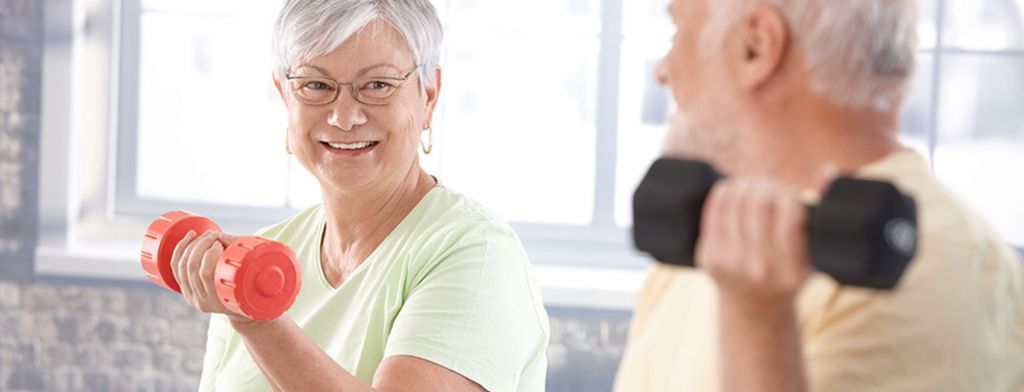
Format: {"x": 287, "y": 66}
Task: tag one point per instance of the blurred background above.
{"x": 114, "y": 111}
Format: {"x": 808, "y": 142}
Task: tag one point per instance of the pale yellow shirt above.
{"x": 451, "y": 284}
{"x": 954, "y": 323}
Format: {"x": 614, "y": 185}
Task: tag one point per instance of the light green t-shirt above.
{"x": 451, "y": 284}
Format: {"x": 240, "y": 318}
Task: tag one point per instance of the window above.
{"x": 526, "y": 124}
{"x": 964, "y": 111}
{"x": 977, "y": 127}
{"x": 551, "y": 123}
{"x": 549, "y": 114}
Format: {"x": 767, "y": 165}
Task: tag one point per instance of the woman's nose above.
{"x": 346, "y": 113}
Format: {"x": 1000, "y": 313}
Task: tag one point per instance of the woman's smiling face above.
{"x": 347, "y": 144}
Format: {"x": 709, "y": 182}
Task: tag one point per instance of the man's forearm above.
{"x": 760, "y": 351}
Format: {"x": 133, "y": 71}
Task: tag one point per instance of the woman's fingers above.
{"x": 194, "y": 265}
{"x": 179, "y": 249}
{"x": 207, "y": 271}
{"x": 189, "y": 269}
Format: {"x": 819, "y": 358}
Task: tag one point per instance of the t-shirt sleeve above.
{"x": 475, "y": 310}
{"x": 216, "y": 339}
{"x": 865, "y": 343}
{"x": 934, "y": 332}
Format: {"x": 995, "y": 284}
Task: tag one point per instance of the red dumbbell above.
{"x": 255, "y": 276}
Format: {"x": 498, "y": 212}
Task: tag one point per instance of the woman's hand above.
{"x": 194, "y": 264}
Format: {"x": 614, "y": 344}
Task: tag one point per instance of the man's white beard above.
{"x": 703, "y": 142}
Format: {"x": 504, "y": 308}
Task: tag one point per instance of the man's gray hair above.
{"x": 858, "y": 52}
{"x": 307, "y": 29}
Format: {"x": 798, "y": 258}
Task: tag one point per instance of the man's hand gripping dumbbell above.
{"x": 861, "y": 232}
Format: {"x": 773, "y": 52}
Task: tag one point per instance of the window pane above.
{"x": 648, "y": 18}
{"x": 221, "y": 7}
{"x": 926, "y": 30}
{"x": 533, "y": 17}
{"x": 915, "y": 123}
{"x": 984, "y": 24}
{"x": 211, "y": 125}
{"x": 518, "y": 129}
{"x": 644, "y": 106}
{"x": 980, "y": 149}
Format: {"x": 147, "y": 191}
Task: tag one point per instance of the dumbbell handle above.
{"x": 254, "y": 276}
{"x": 669, "y": 201}
{"x": 160, "y": 240}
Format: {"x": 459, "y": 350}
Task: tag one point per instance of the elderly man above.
{"x": 781, "y": 95}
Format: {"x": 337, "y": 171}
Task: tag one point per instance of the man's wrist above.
{"x": 756, "y": 310}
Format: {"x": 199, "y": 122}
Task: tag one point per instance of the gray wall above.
{"x": 78, "y": 335}
{"x": 60, "y": 336}
{"x": 21, "y": 43}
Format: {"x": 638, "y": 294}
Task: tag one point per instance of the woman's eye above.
{"x": 317, "y": 85}
{"x": 377, "y": 85}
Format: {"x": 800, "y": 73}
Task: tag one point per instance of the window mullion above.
{"x": 933, "y": 123}
{"x": 607, "y": 114}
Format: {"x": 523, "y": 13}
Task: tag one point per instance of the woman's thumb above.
{"x": 226, "y": 239}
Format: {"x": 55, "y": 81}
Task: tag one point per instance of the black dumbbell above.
{"x": 862, "y": 232}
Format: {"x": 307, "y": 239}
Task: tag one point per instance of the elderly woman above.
{"x": 407, "y": 285}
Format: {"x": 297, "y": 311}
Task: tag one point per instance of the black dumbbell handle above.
{"x": 670, "y": 200}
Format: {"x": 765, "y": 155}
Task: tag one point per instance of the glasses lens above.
{"x": 376, "y": 90}
{"x": 314, "y": 91}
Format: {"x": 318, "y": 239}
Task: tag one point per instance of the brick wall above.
{"x": 68, "y": 337}
{"x": 73, "y": 335}
{"x": 21, "y": 34}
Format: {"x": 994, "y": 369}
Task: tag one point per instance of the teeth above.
{"x": 352, "y": 146}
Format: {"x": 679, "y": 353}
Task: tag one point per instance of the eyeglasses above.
{"x": 367, "y": 89}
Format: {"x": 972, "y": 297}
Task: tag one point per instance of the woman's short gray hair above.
{"x": 307, "y": 29}
{"x": 859, "y": 52}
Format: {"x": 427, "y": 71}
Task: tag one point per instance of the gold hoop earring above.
{"x": 287, "y": 146}
{"x": 427, "y": 148}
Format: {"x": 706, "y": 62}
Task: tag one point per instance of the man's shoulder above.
{"x": 943, "y": 217}
{"x": 962, "y": 267}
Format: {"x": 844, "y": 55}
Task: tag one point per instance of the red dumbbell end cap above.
{"x": 258, "y": 277}
{"x": 162, "y": 236}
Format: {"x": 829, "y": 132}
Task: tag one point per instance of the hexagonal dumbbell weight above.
{"x": 255, "y": 276}
{"x": 862, "y": 232}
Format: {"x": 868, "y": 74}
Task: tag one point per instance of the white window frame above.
{"x": 93, "y": 232}
{"x": 601, "y": 243}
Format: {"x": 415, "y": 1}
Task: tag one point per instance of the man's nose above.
{"x": 661, "y": 73}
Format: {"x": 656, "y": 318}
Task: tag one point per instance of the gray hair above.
{"x": 307, "y": 29}
{"x": 858, "y": 52}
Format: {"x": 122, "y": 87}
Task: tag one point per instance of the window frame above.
{"x": 76, "y": 223}
{"x": 550, "y": 243}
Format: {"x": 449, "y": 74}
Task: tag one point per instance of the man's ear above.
{"x": 762, "y": 46}
{"x": 433, "y": 91}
